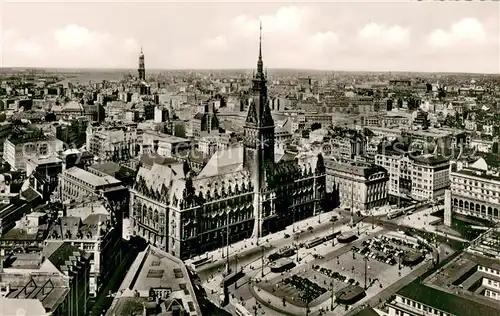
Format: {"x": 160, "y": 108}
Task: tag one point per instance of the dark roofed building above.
{"x": 94, "y": 234}
{"x": 117, "y": 171}
{"x": 57, "y": 277}
{"x": 419, "y": 299}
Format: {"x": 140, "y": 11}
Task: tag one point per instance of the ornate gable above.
{"x": 252, "y": 114}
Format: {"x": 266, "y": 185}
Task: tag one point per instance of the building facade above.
{"x": 94, "y": 235}
{"x": 416, "y": 176}
{"x": 361, "y": 186}
{"x": 242, "y": 192}
{"x": 79, "y": 185}
{"x": 114, "y": 143}
{"x": 473, "y": 192}
{"x": 28, "y": 144}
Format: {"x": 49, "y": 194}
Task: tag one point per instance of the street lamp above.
{"x": 333, "y": 233}
{"x": 262, "y": 260}
{"x": 235, "y": 270}
{"x": 373, "y": 220}
{"x": 333, "y": 294}
{"x": 365, "y": 259}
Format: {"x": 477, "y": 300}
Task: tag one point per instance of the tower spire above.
{"x": 260, "y": 63}
{"x": 260, "y": 41}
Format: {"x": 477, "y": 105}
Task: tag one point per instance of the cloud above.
{"x": 69, "y": 46}
{"x": 324, "y": 41}
{"x": 73, "y": 36}
{"x": 466, "y": 31}
{"x": 383, "y": 38}
{"x": 285, "y": 20}
{"x": 218, "y": 43}
{"x": 287, "y": 35}
{"x": 29, "y": 47}
{"x": 342, "y": 35}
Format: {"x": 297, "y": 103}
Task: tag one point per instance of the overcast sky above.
{"x": 335, "y": 35}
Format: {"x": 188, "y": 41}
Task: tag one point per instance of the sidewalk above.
{"x": 251, "y": 243}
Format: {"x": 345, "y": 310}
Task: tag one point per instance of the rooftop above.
{"x": 153, "y": 158}
{"x": 447, "y": 302}
{"x": 430, "y": 159}
{"x": 90, "y": 178}
{"x": 478, "y": 173}
{"x": 45, "y": 160}
{"x": 357, "y": 168}
{"x": 165, "y": 137}
{"x": 29, "y": 307}
{"x": 156, "y": 269}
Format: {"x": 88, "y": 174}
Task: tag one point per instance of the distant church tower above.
{"x": 142, "y": 69}
{"x": 258, "y": 143}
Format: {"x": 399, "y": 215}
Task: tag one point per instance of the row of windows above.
{"x": 486, "y": 269}
{"x": 492, "y": 294}
{"x": 419, "y": 306}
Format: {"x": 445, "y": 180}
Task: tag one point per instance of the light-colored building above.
{"x": 473, "y": 192}
{"x": 361, "y": 186}
{"x": 161, "y": 114}
{"x": 318, "y": 135}
{"x": 420, "y": 177}
{"x": 208, "y": 144}
{"x": 77, "y": 184}
{"x": 157, "y": 281}
{"x": 114, "y": 143}
{"x": 20, "y": 147}
{"x": 163, "y": 144}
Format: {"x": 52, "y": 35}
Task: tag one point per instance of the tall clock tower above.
{"x": 258, "y": 150}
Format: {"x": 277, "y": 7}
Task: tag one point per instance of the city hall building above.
{"x": 243, "y": 192}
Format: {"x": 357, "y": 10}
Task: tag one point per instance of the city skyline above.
{"x": 369, "y": 35}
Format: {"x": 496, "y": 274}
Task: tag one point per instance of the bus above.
{"x": 315, "y": 242}
{"x": 394, "y": 214}
{"x": 241, "y": 310}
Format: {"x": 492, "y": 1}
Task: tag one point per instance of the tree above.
{"x": 315, "y": 126}
{"x": 441, "y": 94}
{"x": 50, "y": 117}
{"x": 494, "y": 148}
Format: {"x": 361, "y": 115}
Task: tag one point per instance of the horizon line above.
{"x": 242, "y": 69}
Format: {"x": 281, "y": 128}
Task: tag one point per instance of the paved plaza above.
{"x": 349, "y": 268}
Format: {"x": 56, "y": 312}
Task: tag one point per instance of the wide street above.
{"x": 252, "y": 254}
{"x": 247, "y": 256}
